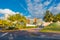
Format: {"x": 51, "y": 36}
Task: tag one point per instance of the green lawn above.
{"x": 54, "y": 27}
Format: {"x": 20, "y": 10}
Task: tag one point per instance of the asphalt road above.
{"x": 24, "y": 35}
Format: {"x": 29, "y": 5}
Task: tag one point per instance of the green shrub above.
{"x": 53, "y": 27}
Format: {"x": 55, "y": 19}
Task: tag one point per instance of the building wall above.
{"x": 35, "y": 20}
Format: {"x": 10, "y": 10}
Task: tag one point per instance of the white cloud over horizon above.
{"x": 6, "y": 12}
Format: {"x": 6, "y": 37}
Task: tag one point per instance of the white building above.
{"x": 38, "y": 22}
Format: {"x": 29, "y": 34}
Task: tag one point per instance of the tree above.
{"x": 48, "y": 16}
{"x": 58, "y": 17}
{"x": 19, "y": 18}
{"x": 14, "y": 17}
{"x": 5, "y": 24}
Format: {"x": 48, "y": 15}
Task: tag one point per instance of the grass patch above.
{"x": 51, "y": 28}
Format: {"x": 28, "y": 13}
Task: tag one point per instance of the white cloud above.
{"x": 6, "y": 12}
{"x": 54, "y": 9}
{"x": 58, "y": 6}
{"x": 46, "y": 3}
{"x": 35, "y": 9}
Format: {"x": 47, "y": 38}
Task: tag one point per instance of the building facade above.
{"x": 34, "y": 21}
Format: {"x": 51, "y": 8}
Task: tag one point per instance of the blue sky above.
{"x": 29, "y": 8}
{"x": 13, "y": 5}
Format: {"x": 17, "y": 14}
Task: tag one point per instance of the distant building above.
{"x": 39, "y": 21}
{"x": 28, "y": 21}
{"x": 34, "y": 21}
